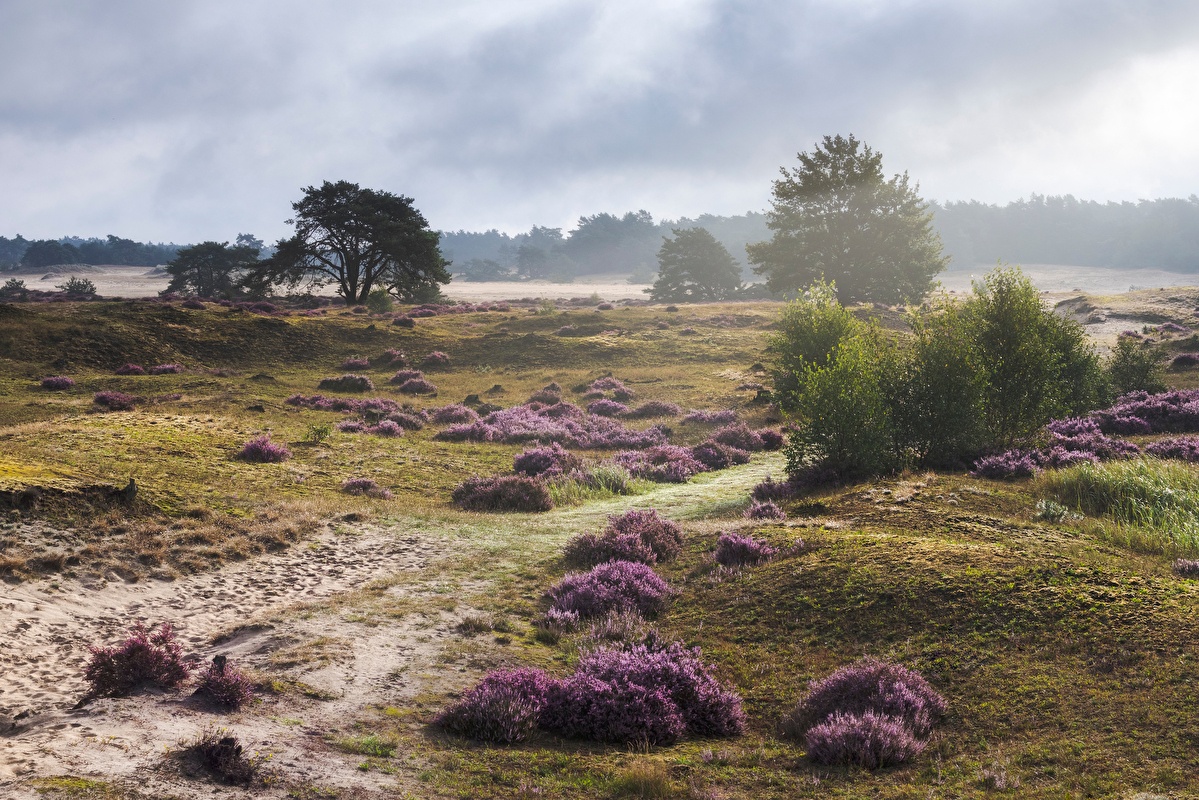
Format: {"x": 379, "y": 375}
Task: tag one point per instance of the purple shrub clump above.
{"x": 166, "y": 369}
{"x": 193, "y": 304}
{"x": 735, "y": 550}
{"x": 739, "y": 436}
{"x": 608, "y": 384}
{"x": 130, "y": 369}
{"x": 404, "y": 321}
{"x": 347, "y": 383}
{"x": 764, "y": 510}
{"x": 560, "y": 410}
{"x": 407, "y": 419}
{"x": 705, "y": 417}
{"x": 663, "y": 536}
{"x": 1011, "y": 464}
{"x": 869, "y": 740}
{"x": 773, "y": 491}
{"x": 1182, "y": 448}
{"x": 405, "y": 375}
{"x": 454, "y": 414}
{"x": 654, "y": 408}
{"x": 58, "y": 383}
{"x": 435, "y": 359}
{"x": 1186, "y": 568}
{"x": 1140, "y": 412}
{"x": 504, "y": 707}
{"x": 548, "y": 461}
{"x": 261, "y": 450}
{"x": 356, "y": 363}
{"x": 615, "y": 586}
{"x": 545, "y": 397}
{"x": 225, "y": 684}
{"x": 386, "y": 428}
{"x": 388, "y": 359}
{"x": 1059, "y": 457}
{"x": 771, "y": 439}
{"x": 365, "y": 487}
{"x": 715, "y": 456}
{"x": 1172, "y": 327}
{"x": 607, "y": 408}
{"x": 144, "y": 658}
{"x": 417, "y": 386}
{"x": 524, "y": 424}
{"x": 640, "y": 536}
{"x": 350, "y": 426}
{"x": 585, "y": 707}
{"x": 503, "y": 493}
{"x": 666, "y": 463}
{"x": 872, "y": 685}
{"x": 115, "y": 401}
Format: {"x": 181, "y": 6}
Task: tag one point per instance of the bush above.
{"x": 503, "y": 493}
{"x": 356, "y": 363}
{"x": 614, "y": 586}
{"x": 225, "y": 685}
{"x": 504, "y": 707}
{"x": 1186, "y": 568}
{"x": 869, "y": 740}
{"x": 608, "y": 384}
{"x": 1135, "y": 366}
{"x": 405, "y": 375}
{"x": 740, "y": 437}
{"x": 810, "y": 330}
{"x": 665, "y": 463}
{"x": 417, "y": 386}
{"x": 607, "y": 408}
{"x": 130, "y": 369}
{"x": 193, "y": 304}
{"x": 1005, "y": 466}
{"x": 78, "y": 286}
{"x": 261, "y": 450}
{"x": 365, "y": 487}
{"x": 717, "y": 456}
{"x": 347, "y": 383}
{"x": 771, "y": 439}
{"x": 386, "y": 428}
{"x": 772, "y": 491}
{"x": 654, "y": 408}
{"x": 735, "y": 550}
{"x": 166, "y": 369}
{"x": 115, "y": 401}
{"x": 1182, "y": 448}
{"x": 318, "y": 432}
{"x": 546, "y": 461}
{"x": 58, "y": 383}
{"x": 1185, "y": 361}
{"x": 378, "y": 301}
{"x": 404, "y": 321}
{"x": 524, "y": 424}
{"x": 585, "y": 707}
{"x": 222, "y": 755}
{"x": 663, "y": 536}
{"x": 388, "y": 359}
{"x": 351, "y": 426}
{"x": 724, "y": 416}
{"x": 640, "y": 536}
{"x": 766, "y": 510}
{"x": 454, "y": 414}
{"x": 144, "y": 658}
{"x": 435, "y": 359}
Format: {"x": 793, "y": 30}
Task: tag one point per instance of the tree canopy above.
{"x": 836, "y": 217}
{"x": 358, "y": 239}
{"x": 694, "y": 268}
{"x": 210, "y": 269}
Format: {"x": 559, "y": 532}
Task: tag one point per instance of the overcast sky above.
{"x": 185, "y": 121}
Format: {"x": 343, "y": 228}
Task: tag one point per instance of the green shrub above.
{"x": 318, "y": 432}
{"x": 809, "y": 331}
{"x": 77, "y": 285}
{"x": 1135, "y": 365}
{"x": 379, "y": 301}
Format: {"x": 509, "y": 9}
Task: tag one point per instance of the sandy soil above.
{"x": 48, "y": 626}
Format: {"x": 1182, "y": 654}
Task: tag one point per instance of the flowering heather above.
{"x": 1132, "y": 334}
{"x": 261, "y": 307}
{"x": 225, "y": 685}
{"x": 453, "y": 414}
{"x": 386, "y": 428}
{"x": 405, "y": 375}
{"x": 665, "y": 463}
{"x": 608, "y": 384}
{"x": 435, "y": 359}
{"x": 1172, "y": 327}
{"x": 717, "y": 456}
{"x": 1011, "y": 464}
{"x": 561, "y": 409}
{"x": 1182, "y": 448}
{"x": 604, "y": 307}
{"x": 347, "y": 383}
{"x": 654, "y": 408}
{"x": 772, "y": 491}
{"x": 766, "y": 510}
{"x": 130, "y": 369}
{"x": 871, "y": 685}
{"x": 522, "y": 424}
{"x": 356, "y": 363}
{"x": 771, "y": 439}
{"x": 735, "y": 550}
{"x": 589, "y": 549}
{"x": 261, "y": 450}
{"x": 503, "y": 493}
{"x": 350, "y": 426}
{"x": 869, "y": 740}
{"x": 417, "y": 386}
{"x": 705, "y": 417}
{"x": 1186, "y": 568}
{"x": 389, "y": 358}
{"x": 365, "y": 487}
{"x": 166, "y": 369}
{"x": 607, "y": 408}
{"x": 404, "y": 321}
{"x": 115, "y": 401}
{"x": 58, "y": 383}
{"x": 195, "y": 305}
{"x": 613, "y": 586}
{"x": 1059, "y": 457}
{"x": 739, "y": 436}
{"x": 546, "y": 461}
{"x": 663, "y": 536}
{"x": 145, "y": 658}
{"x": 1167, "y": 412}
{"x": 585, "y": 707}
{"x": 503, "y": 708}
{"x": 421, "y": 313}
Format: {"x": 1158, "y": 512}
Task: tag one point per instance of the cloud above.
{"x": 190, "y": 121}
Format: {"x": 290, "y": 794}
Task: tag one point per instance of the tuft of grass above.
{"x": 644, "y": 780}
{"x": 368, "y": 745}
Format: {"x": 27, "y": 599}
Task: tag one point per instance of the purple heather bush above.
{"x": 1172, "y": 327}
{"x": 58, "y": 383}
{"x": 607, "y": 384}
{"x": 435, "y": 359}
{"x": 522, "y": 425}
{"x": 612, "y": 586}
{"x": 1182, "y": 448}
{"x": 707, "y": 417}
{"x": 193, "y": 304}
{"x": 166, "y": 369}
{"x": 1007, "y": 465}
{"x": 144, "y": 658}
{"x": 764, "y": 510}
{"x": 1059, "y": 457}
{"x": 454, "y": 414}
{"x": 386, "y": 428}
{"x": 663, "y": 536}
{"x": 356, "y": 363}
{"x": 772, "y": 439}
{"x": 545, "y": 397}
{"x": 404, "y": 321}
{"x": 772, "y": 491}
{"x": 377, "y": 406}
{"x": 503, "y": 493}
{"x": 584, "y": 707}
{"x": 607, "y": 408}
{"x": 735, "y": 550}
{"x": 365, "y": 487}
{"x": 654, "y": 408}
{"x": 115, "y": 401}
{"x": 1167, "y": 412}
{"x": 869, "y": 740}
{"x": 405, "y": 375}
{"x": 870, "y": 685}
{"x": 665, "y": 463}
{"x": 640, "y": 536}
{"x": 561, "y": 409}
{"x": 623, "y": 395}
{"x": 716, "y": 456}
{"x": 350, "y": 426}
{"x": 130, "y": 369}
{"x": 261, "y": 450}
{"x": 390, "y": 358}
{"x": 347, "y": 383}
{"x": 604, "y": 307}
{"x": 1186, "y": 568}
{"x": 225, "y": 685}
{"x": 408, "y": 419}
{"x": 504, "y": 707}
{"x": 417, "y": 386}
{"x": 739, "y": 436}
{"x": 548, "y": 461}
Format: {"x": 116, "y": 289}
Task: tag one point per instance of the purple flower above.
{"x": 735, "y": 550}
{"x": 58, "y": 383}
{"x": 611, "y": 587}
{"x": 607, "y": 408}
{"x": 664, "y": 463}
{"x": 546, "y": 461}
{"x": 261, "y": 450}
{"x": 869, "y": 740}
{"x": 115, "y": 401}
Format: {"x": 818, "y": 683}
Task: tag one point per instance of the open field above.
{"x": 1067, "y": 657}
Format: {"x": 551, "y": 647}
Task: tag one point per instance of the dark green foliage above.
{"x": 47, "y": 253}
{"x": 809, "y": 330}
{"x": 835, "y": 217}
{"x": 359, "y": 240}
{"x": 14, "y": 289}
{"x": 78, "y": 286}
{"x": 379, "y": 301}
{"x": 694, "y": 267}
{"x": 210, "y": 269}
{"x": 1135, "y": 365}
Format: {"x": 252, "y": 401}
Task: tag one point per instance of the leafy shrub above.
{"x": 607, "y": 408}
{"x": 1135, "y": 366}
{"x": 130, "y": 369}
{"x": 766, "y": 510}
{"x": 318, "y": 432}
{"x": 261, "y": 450}
{"x": 724, "y": 416}
{"x": 1186, "y": 568}
{"x": 435, "y": 359}
{"x": 78, "y": 286}
{"x": 378, "y": 301}
{"x": 1007, "y": 465}
{"x": 417, "y": 386}
{"x": 613, "y": 586}
{"x": 504, "y": 707}
{"x": 503, "y": 493}
{"x": 144, "y": 658}
{"x": 58, "y": 383}
{"x": 716, "y": 456}
{"x": 455, "y": 413}
{"x": 665, "y": 463}
{"x": 166, "y": 369}
{"x": 546, "y": 461}
{"x": 735, "y": 550}
{"x": 654, "y": 408}
{"x": 225, "y": 685}
{"x": 869, "y": 740}
{"x": 347, "y": 383}
{"x": 365, "y": 486}
{"x": 356, "y": 363}
{"x": 605, "y": 477}
{"x": 115, "y": 401}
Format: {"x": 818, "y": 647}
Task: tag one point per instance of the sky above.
{"x": 188, "y": 121}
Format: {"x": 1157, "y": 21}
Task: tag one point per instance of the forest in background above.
{"x": 1162, "y": 233}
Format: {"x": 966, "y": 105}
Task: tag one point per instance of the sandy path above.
{"x": 46, "y": 633}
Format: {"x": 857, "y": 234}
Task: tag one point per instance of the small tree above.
{"x": 837, "y": 217}
{"x": 210, "y": 269}
{"x": 1136, "y": 365}
{"x": 809, "y": 330}
{"x": 694, "y": 268}
{"x": 76, "y": 285}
